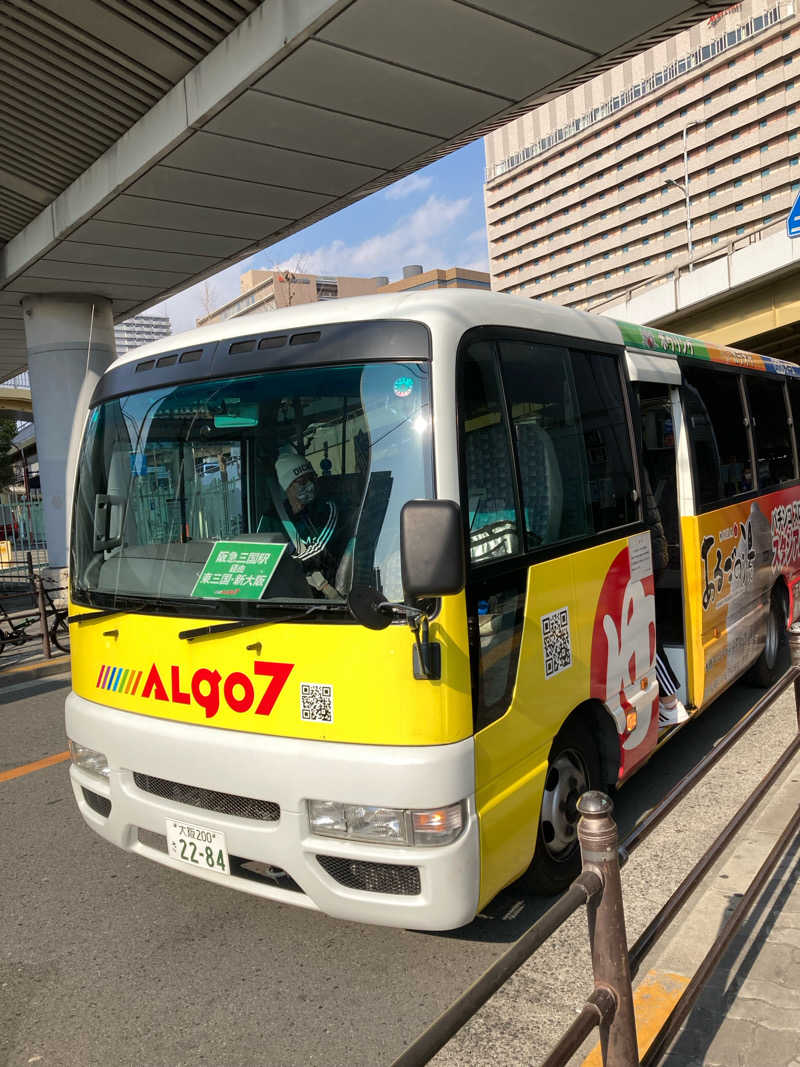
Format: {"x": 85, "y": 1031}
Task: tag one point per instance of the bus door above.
{"x": 660, "y": 491}
{"x": 728, "y": 539}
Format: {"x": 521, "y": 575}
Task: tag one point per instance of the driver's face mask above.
{"x": 305, "y": 492}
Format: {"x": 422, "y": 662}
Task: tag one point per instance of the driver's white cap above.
{"x": 289, "y": 466}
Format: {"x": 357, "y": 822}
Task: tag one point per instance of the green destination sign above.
{"x": 238, "y": 571}
{"x": 650, "y": 339}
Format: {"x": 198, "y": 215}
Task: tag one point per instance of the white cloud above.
{"x": 425, "y": 236}
{"x": 414, "y": 183}
{"x": 432, "y": 235}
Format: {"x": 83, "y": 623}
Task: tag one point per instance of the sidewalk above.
{"x": 25, "y": 662}
{"x": 748, "y": 1014}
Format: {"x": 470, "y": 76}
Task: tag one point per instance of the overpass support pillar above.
{"x": 70, "y": 342}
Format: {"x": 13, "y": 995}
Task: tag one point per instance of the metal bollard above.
{"x": 597, "y": 833}
{"x": 793, "y": 637}
{"x": 43, "y": 618}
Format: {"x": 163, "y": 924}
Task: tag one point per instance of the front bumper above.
{"x": 286, "y": 772}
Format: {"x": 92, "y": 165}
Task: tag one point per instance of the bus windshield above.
{"x": 280, "y": 486}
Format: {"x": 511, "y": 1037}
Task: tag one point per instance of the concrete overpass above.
{"x": 746, "y": 295}
{"x": 145, "y": 146}
{"x": 16, "y": 402}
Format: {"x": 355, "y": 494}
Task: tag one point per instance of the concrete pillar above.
{"x": 70, "y": 341}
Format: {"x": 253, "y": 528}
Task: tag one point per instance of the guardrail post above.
{"x": 42, "y": 617}
{"x": 794, "y": 657}
{"x": 597, "y": 833}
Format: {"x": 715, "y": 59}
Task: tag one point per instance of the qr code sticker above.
{"x": 316, "y": 702}
{"x": 556, "y": 642}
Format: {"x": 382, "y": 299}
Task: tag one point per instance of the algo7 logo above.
{"x": 207, "y": 687}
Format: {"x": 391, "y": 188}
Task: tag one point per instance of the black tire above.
{"x": 574, "y": 768}
{"x": 59, "y": 634}
{"x": 772, "y": 662}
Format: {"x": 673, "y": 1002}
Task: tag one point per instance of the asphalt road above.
{"x": 106, "y": 958}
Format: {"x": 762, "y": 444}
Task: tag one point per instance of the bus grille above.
{"x": 372, "y": 877}
{"x": 209, "y": 799}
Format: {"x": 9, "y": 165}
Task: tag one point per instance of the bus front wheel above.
{"x": 573, "y": 769}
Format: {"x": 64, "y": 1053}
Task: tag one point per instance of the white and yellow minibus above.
{"x": 363, "y": 595}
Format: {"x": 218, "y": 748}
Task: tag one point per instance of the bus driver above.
{"x": 314, "y": 526}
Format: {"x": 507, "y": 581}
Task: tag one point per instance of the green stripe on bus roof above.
{"x": 651, "y": 339}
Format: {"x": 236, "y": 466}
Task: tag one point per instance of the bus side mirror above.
{"x": 431, "y": 549}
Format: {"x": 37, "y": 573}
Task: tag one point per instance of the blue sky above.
{"x": 434, "y": 217}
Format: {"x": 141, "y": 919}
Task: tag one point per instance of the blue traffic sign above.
{"x": 793, "y": 221}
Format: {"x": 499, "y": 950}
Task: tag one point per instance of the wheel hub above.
{"x": 566, "y": 781}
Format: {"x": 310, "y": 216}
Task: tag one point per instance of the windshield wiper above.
{"x": 102, "y": 613}
{"x": 244, "y": 624}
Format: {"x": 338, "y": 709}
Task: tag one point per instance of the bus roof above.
{"x": 464, "y": 306}
{"x": 467, "y": 308}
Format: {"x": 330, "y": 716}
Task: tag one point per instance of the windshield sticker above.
{"x": 403, "y": 387}
{"x": 316, "y": 702}
{"x": 238, "y": 572}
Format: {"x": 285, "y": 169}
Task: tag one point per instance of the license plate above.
{"x": 198, "y": 846}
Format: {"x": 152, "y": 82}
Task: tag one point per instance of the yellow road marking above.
{"x": 28, "y": 768}
{"x": 653, "y": 1000}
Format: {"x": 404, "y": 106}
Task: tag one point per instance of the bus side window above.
{"x": 491, "y": 502}
{"x": 772, "y": 437}
{"x": 573, "y": 441}
{"x": 609, "y": 454}
{"x": 716, "y": 424}
{"x": 495, "y": 601}
{"x": 793, "y": 385}
{"x": 541, "y": 397}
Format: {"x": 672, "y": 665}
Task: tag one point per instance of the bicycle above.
{"x": 17, "y": 633}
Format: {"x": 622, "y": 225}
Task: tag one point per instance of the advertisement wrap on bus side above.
{"x": 592, "y": 638}
{"x": 733, "y": 559}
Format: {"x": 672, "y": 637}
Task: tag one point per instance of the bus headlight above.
{"x": 89, "y": 760}
{"x": 388, "y": 826}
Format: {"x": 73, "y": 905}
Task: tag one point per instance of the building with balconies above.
{"x": 587, "y": 196}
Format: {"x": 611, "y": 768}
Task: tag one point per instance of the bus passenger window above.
{"x": 573, "y": 444}
{"x": 607, "y": 439}
{"x": 793, "y": 385}
{"x": 491, "y": 504}
{"x": 716, "y": 423}
{"x": 539, "y": 391}
{"x": 771, "y": 434}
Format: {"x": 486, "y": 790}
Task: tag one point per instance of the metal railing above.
{"x": 610, "y": 1005}
{"x": 675, "y": 274}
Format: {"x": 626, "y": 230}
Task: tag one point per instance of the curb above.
{"x": 30, "y": 671}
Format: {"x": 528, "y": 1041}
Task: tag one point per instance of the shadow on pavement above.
{"x": 512, "y": 912}
{"x": 713, "y": 1005}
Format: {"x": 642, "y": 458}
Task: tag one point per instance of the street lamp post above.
{"x": 685, "y": 190}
